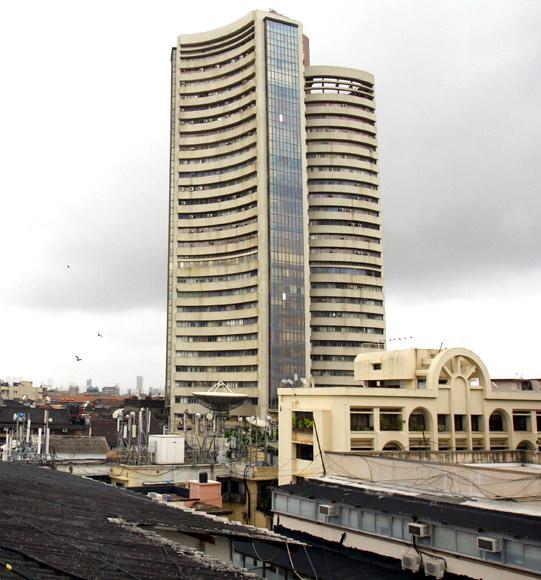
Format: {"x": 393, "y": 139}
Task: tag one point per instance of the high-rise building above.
{"x": 139, "y": 384}
{"x": 275, "y": 266}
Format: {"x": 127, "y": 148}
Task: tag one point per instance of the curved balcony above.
{"x": 217, "y": 67}
{"x": 346, "y": 100}
{"x": 219, "y": 137}
{"x": 227, "y": 107}
{"x": 323, "y": 108}
{"x": 239, "y": 51}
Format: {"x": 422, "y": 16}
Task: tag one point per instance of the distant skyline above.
{"x": 85, "y": 137}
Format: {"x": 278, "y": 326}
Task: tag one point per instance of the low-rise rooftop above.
{"x": 58, "y": 525}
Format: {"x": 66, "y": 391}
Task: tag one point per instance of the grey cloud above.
{"x": 458, "y": 92}
{"x": 115, "y": 247}
{"x": 460, "y": 134}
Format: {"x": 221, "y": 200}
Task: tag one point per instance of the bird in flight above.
{"x": 78, "y": 358}
{"x": 100, "y": 335}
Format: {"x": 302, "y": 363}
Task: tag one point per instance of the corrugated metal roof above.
{"x": 78, "y": 445}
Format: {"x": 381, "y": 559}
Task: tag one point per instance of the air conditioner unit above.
{"x": 328, "y": 510}
{"x": 435, "y": 568}
{"x": 411, "y": 562}
{"x": 489, "y": 544}
{"x": 419, "y": 530}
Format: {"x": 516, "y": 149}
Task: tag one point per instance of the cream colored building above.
{"x": 20, "y": 390}
{"x": 415, "y": 399}
{"x": 274, "y": 236}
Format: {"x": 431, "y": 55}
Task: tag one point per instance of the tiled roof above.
{"x": 88, "y": 529}
{"x": 78, "y": 445}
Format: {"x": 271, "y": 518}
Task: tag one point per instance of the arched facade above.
{"x": 526, "y": 446}
{"x": 414, "y": 399}
{"x": 393, "y": 446}
{"x": 458, "y": 366}
{"x": 499, "y": 421}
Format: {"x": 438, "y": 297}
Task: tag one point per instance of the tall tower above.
{"x": 238, "y": 274}
{"x": 273, "y": 202}
{"x": 346, "y": 283}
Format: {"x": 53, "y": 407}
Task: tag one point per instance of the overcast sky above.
{"x": 84, "y": 130}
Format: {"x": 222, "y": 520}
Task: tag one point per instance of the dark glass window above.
{"x": 496, "y": 423}
{"x": 460, "y": 422}
{"x": 390, "y": 420}
{"x": 477, "y": 422}
{"x": 286, "y": 203}
{"x": 304, "y": 452}
{"x": 521, "y": 421}
{"x": 443, "y": 423}
{"x": 361, "y": 420}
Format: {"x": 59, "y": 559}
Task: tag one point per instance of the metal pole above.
{"x": 39, "y": 441}
{"x": 46, "y": 433}
{"x": 139, "y": 436}
{"x": 47, "y": 437}
{"x": 28, "y": 429}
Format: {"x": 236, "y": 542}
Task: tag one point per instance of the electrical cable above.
{"x": 320, "y": 450}
{"x": 181, "y": 573}
{"x": 248, "y": 495}
{"x": 269, "y": 558}
{"x": 310, "y": 560}
{"x": 454, "y": 477}
{"x": 421, "y": 554}
{"x": 293, "y": 565}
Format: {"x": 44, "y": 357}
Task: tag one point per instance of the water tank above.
{"x": 203, "y": 477}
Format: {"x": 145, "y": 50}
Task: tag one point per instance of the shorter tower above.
{"x": 346, "y": 280}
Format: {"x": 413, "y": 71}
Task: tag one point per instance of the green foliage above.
{"x": 302, "y": 423}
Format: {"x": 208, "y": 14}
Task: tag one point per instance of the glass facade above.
{"x": 286, "y": 236}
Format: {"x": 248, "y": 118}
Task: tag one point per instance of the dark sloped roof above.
{"x": 429, "y": 509}
{"x": 106, "y": 427}
{"x": 78, "y": 445}
{"x": 68, "y": 523}
{"x": 60, "y": 417}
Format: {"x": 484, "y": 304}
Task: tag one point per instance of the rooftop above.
{"x": 59, "y": 525}
{"x": 78, "y": 445}
{"x": 464, "y": 512}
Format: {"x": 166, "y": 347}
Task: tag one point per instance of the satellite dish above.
{"x": 48, "y": 400}
{"x": 118, "y": 413}
{"x": 25, "y": 397}
{"x": 220, "y": 399}
{"x": 256, "y": 422}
